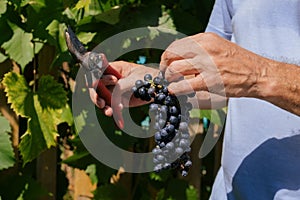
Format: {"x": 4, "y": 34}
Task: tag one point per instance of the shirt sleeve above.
{"x": 220, "y": 19}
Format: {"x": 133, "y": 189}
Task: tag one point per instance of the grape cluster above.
{"x": 169, "y": 116}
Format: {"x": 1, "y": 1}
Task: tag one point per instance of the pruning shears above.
{"x": 94, "y": 64}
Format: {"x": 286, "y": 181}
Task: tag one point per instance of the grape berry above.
{"x": 169, "y": 117}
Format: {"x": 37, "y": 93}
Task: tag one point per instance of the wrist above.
{"x": 277, "y": 81}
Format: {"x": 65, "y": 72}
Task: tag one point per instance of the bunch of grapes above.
{"x": 169, "y": 116}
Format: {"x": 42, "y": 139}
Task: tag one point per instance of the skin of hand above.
{"x": 121, "y": 89}
{"x": 221, "y": 67}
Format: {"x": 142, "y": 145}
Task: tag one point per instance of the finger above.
{"x": 203, "y": 82}
{"x": 108, "y": 111}
{"x": 123, "y": 68}
{"x": 167, "y": 58}
{"x": 187, "y": 86}
{"x": 181, "y": 68}
{"x": 99, "y": 102}
{"x": 108, "y": 80}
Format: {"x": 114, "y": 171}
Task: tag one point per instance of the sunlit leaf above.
{"x": 91, "y": 171}
{"x": 85, "y": 37}
{"x": 3, "y": 6}
{"x": 42, "y": 122}
{"x": 83, "y": 4}
{"x": 17, "y": 92}
{"x": 7, "y": 157}
{"x": 56, "y": 32}
{"x": 19, "y": 47}
{"x": 2, "y": 58}
{"x": 38, "y": 46}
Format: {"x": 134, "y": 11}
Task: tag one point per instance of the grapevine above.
{"x": 169, "y": 116}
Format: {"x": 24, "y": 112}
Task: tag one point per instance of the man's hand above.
{"x": 121, "y": 89}
{"x": 214, "y": 65}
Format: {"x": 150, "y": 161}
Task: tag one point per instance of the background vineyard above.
{"x": 41, "y": 155}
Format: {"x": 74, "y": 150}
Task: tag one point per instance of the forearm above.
{"x": 280, "y": 85}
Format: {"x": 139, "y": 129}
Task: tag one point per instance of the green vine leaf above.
{"x": 6, "y": 150}
{"x": 19, "y": 47}
{"x": 50, "y": 93}
{"x": 191, "y": 193}
{"x": 42, "y": 122}
{"x": 17, "y": 92}
{"x": 2, "y": 58}
{"x": 3, "y": 6}
{"x": 85, "y": 37}
{"x": 83, "y": 4}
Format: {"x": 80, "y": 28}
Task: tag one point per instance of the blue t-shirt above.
{"x": 261, "y": 149}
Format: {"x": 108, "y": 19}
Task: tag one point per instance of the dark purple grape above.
{"x": 157, "y": 80}
{"x": 173, "y": 120}
{"x": 151, "y": 91}
{"x": 147, "y": 77}
{"x": 139, "y": 83}
{"x": 164, "y": 109}
{"x": 169, "y": 101}
{"x": 161, "y": 123}
{"x": 188, "y": 163}
{"x": 158, "y": 168}
{"x": 153, "y": 107}
{"x": 165, "y": 90}
{"x": 170, "y": 145}
{"x": 167, "y": 166}
{"x": 184, "y": 143}
{"x": 170, "y": 128}
{"x": 173, "y": 110}
{"x": 179, "y": 150}
{"x": 166, "y": 152}
{"x": 160, "y": 157}
{"x": 157, "y": 126}
{"x": 147, "y": 84}
{"x": 183, "y": 126}
{"x": 157, "y": 136}
{"x": 184, "y": 173}
{"x": 185, "y": 135}
{"x": 142, "y": 92}
{"x": 156, "y": 151}
{"x": 160, "y": 98}
{"x": 162, "y": 145}
{"x": 163, "y": 133}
